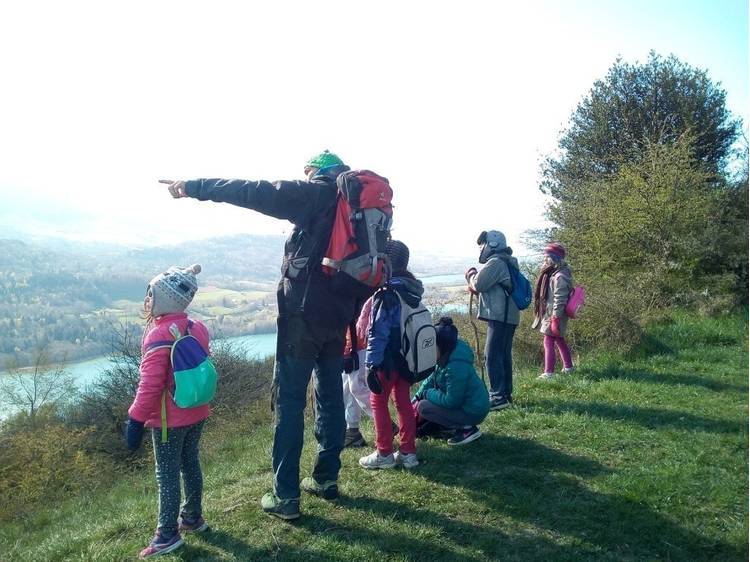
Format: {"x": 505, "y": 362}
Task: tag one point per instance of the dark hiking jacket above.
{"x": 310, "y": 206}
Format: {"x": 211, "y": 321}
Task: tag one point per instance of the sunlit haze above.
{"x": 456, "y": 103}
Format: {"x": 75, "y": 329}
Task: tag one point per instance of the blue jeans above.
{"x": 302, "y": 350}
{"x": 498, "y": 358}
{"x": 178, "y": 456}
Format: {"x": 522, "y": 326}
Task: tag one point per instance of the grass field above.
{"x": 637, "y": 457}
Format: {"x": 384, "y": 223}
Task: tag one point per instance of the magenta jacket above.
{"x": 156, "y": 375}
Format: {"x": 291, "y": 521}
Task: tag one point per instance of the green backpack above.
{"x": 195, "y": 376}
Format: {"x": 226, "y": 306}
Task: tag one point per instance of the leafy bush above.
{"x": 242, "y": 381}
{"x": 43, "y": 464}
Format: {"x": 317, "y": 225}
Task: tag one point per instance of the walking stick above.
{"x": 476, "y": 334}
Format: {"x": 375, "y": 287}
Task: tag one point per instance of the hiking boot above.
{"x": 283, "y": 509}
{"x": 546, "y": 376}
{"x": 197, "y": 525}
{"x": 353, "y": 438}
{"x": 407, "y": 460}
{"x": 465, "y": 435}
{"x": 375, "y": 460}
{"x": 328, "y": 490}
{"x": 499, "y": 403}
{"x": 160, "y": 545}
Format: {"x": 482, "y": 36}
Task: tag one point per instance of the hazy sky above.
{"x": 455, "y": 102}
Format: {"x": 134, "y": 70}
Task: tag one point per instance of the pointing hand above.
{"x": 176, "y": 188}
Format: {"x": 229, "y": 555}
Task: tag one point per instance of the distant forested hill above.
{"x": 56, "y": 294}
{"x": 67, "y": 296}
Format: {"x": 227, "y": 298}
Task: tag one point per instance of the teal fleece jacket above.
{"x": 457, "y": 385}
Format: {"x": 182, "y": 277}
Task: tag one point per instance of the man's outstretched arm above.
{"x": 290, "y": 200}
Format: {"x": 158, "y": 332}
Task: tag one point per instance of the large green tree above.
{"x": 657, "y": 102}
{"x": 640, "y": 192}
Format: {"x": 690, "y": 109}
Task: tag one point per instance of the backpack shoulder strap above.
{"x": 511, "y": 269}
{"x": 161, "y": 344}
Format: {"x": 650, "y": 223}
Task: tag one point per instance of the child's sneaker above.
{"x": 375, "y": 460}
{"x": 499, "y": 403}
{"x": 465, "y": 435}
{"x": 354, "y": 438}
{"x": 328, "y": 490}
{"x": 197, "y": 525}
{"x": 160, "y": 545}
{"x": 283, "y": 509}
{"x": 407, "y": 460}
{"x": 546, "y": 376}
{"x": 568, "y": 370}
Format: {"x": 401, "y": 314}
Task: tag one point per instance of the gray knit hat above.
{"x": 174, "y": 289}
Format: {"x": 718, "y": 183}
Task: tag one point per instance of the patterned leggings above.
{"x": 178, "y": 456}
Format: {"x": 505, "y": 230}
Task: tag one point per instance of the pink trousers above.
{"x": 550, "y": 342}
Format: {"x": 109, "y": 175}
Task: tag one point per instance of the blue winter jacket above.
{"x": 384, "y": 337}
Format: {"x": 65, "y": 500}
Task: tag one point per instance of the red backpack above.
{"x": 355, "y": 258}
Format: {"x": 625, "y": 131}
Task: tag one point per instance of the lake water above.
{"x": 449, "y": 279}
{"x": 255, "y": 345}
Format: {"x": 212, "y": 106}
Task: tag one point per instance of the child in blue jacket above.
{"x": 385, "y": 365}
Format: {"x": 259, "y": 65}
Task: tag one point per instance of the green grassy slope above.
{"x": 642, "y": 457}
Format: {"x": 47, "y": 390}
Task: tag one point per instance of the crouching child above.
{"x": 453, "y": 396}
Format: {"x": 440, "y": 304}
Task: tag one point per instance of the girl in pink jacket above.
{"x": 167, "y": 297}
{"x": 553, "y": 287}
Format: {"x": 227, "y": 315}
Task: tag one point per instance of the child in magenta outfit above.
{"x": 551, "y": 294}
{"x": 385, "y": 362}
{"x": 167, "y": 297}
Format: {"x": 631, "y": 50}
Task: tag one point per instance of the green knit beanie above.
{"x": 324, "y": 160}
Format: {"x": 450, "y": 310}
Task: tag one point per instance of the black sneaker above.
{"x": 465, "y": 435}
{"x": 353, "y": 438}
{"x": 500, "y": 403}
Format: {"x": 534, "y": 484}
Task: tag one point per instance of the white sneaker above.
{"x": 546, "y": 376}
{"x": 375, "y": 460}
{"x": 567, "y": 371}
{"x": 407, "y": 460}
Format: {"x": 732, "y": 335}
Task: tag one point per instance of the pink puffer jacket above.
{"x": 363, "y": 327}
{"x": 156, "y": 375}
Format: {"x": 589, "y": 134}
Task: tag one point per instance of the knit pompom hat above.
{"x": 324, "y": 160}
{"x": 555, "y": 250}
{"x": 173, "y": 290}
{"x": 399, "y": 254}
{"x": 447, "y": 335}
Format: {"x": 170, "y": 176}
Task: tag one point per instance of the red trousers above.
{"x": 397, "y": 388}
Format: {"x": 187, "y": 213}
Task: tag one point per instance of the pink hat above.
{"x": 555, "y": 249}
